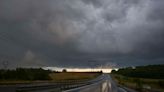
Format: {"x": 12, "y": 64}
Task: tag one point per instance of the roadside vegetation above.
{"x": 24, "y": 75}
{"x": 142, "y": 78}
{"x": 30, "y": 75}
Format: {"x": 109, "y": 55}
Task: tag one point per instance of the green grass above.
{"x": 140, "y": 84}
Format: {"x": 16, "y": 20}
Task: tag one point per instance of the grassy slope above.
{"x": 140, "y": 84}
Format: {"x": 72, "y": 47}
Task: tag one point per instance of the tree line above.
{"x": 149, "y": 71}
{"x": 25, "y": 74}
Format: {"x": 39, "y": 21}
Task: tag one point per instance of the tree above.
{"x": 64, "y": 70}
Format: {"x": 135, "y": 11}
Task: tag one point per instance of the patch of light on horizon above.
{"x": 104, "y": 70}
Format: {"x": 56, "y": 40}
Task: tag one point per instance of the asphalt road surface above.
{"x": 103, "y": 83}
{"x": 106, "y": 84}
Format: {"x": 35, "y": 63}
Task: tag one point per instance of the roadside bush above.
{"x": 161, "y": 83}
{"x": 25, "y": 74}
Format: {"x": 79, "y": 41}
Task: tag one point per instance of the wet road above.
{"x": 103, "y": 83}
{"x": 106, "y": 84}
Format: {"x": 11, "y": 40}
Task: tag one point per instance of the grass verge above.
{"x": 140, "y": 84}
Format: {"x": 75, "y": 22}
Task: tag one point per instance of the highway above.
{"x": 106, "y": 84}
{"x": 103, "y": 83}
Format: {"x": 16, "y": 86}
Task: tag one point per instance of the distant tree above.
{"x": 64, "y": 70}
{"x": 113, "y": 71}
{"x": 25, "y": 74}
{"x": 149, "y": 71}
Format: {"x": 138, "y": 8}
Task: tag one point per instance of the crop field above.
{"x": 41, "y": 76}
{"x": 62, "y": 76}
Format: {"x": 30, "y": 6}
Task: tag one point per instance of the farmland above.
{"x": 62, "y": 76}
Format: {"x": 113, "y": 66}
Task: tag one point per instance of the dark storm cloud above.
{"x": 66, "y": 33}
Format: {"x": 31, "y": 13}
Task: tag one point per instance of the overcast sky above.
{"x": 81, "y": 33}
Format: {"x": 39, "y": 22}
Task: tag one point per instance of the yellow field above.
{"x": 73, "y": 76}
{"x": 56, "y": 77}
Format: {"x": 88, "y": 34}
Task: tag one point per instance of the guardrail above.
{"x": 96, "y": 85}
{"x": 57, "y": 87}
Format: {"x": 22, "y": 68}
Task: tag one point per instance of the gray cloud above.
{"x": 66, "y": 33}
